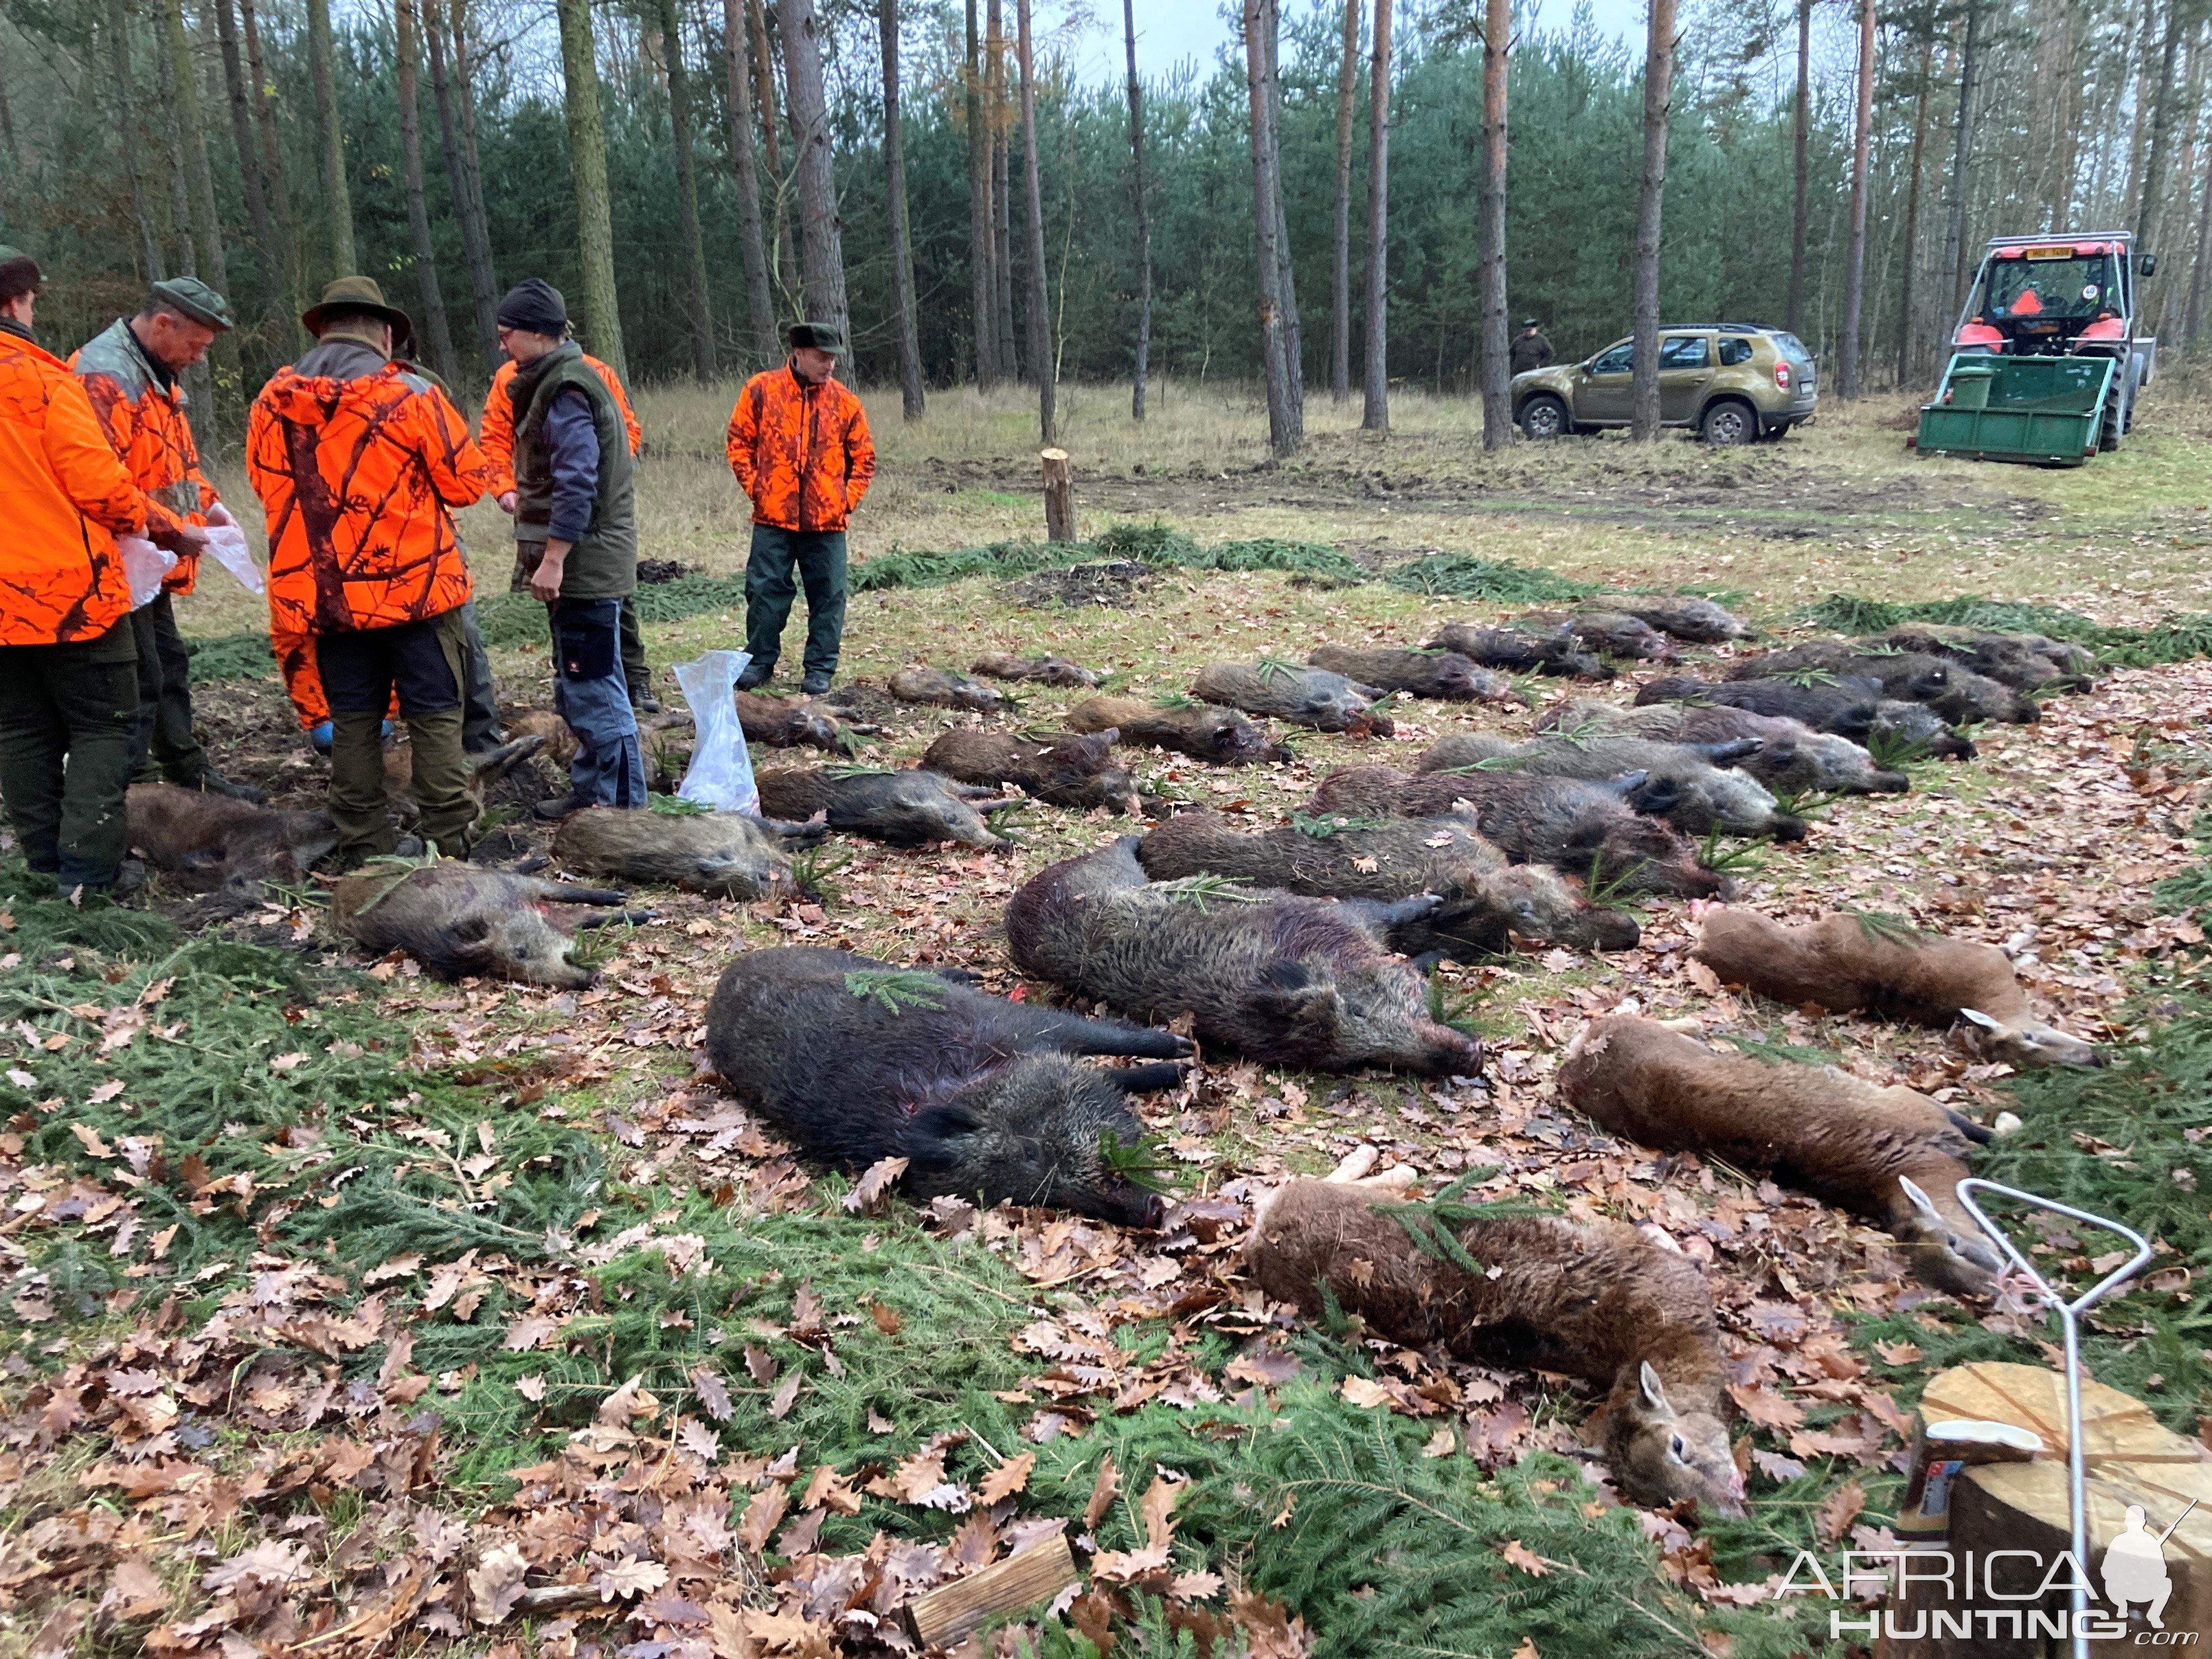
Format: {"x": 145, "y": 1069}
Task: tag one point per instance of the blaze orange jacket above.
{"x": 147, "y": 428}
{"x": 496, "y": 433}
{"x": 801, "y": 452}
{"x": 359, "y": 477}
{"x": 63, "y": 500}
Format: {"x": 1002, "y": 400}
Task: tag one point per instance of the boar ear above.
{"x": 929, "y": 1140}
{"x": 1654, "y": 1391}
{"x": 1981, "y": 1019}
{"x": 1626, "y": 785}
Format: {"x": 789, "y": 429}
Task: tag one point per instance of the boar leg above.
{"x": 1147, "y": 1079}
{"x": 561, "y": 892}
{"x": 615, "y": 918}
{"x": 1071, "y": 1034}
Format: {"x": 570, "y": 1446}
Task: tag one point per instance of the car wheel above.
{"x": 1728, "y": 423}
{"x": 1545, "y": 418}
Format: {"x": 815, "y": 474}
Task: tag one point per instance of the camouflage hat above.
{"x": 823, "y": 337}
{"x": 196, "y": 300}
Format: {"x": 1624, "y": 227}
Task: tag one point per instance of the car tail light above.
{"x": 1782, "y": 373}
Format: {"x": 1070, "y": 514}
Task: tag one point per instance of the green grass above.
{"x": 1458, "y": 576}
{"x": 2176, "y": 637}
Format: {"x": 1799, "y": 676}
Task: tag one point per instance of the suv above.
{"x": 1736, "y": 383}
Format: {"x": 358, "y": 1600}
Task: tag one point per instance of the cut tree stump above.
{"x": 1059, "y": 497}
{"x": 950, "y": 1611}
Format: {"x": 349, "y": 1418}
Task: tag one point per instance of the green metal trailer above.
{"x": 2049, "y": 410}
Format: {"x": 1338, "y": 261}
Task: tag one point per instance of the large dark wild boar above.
{"x": 2026, "y": 662}
{"x": 1602, "y": 1302}
{"x": 1043, "y": 671}
{"x": 1521, "y": 650}
{"x": 857, "y": 1061}
{"x": 1955, "y": 692}
{"x": 901, "y": 808}
{"x": 1621, "y": 633}
{"x": 1888, "y": 1153}
{"x": 211, "y": 842}
{"x": 1066, "y": 769}
{"x": 457, "y": 920}
{"x": 1444, "y": 675}
{"x": 1204, "y": 731}
{"x": 1695, "y": 620}
{"x": 1847, "y": 706}
{"x": 1703, "y": 793}
{"x": 729, "y": 854}
{"x": 1287, "y": 981}
{"x": 945, "y": 690}
{"x": 1303, "y": 696}
{"x": 1792, "y": 758}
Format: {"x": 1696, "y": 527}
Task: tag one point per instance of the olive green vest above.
{"x": 603, "y": 565}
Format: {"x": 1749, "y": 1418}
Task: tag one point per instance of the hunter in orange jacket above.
{"x": 359, "y": 478}
{"x": 64, "y": 498}
{"x": 496, "y": 432}
{"x": 801, "y": 452}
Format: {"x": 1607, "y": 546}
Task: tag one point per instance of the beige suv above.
{"x": 1733, "y": 383}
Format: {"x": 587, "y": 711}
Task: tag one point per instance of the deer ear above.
{"x": 1981, "y": 1019}
{"x": 1923, "y": 1206}
{"x": 1654, "y": 1392}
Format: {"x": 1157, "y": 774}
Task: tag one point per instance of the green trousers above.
{"x": 818, "y": 558}
{"x": 163, "y": 745}
{"x": 428, "y": 663}
{"x": 67, "y": 714}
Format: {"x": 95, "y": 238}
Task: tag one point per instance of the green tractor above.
{"x": 2046, "y": 362}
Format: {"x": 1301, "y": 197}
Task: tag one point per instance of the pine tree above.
{"x": 587, "y": 166}
{"x": 436, "y": 334}
{"x": 330, "y": 134}
{"x": 821, "y": 248}
{"x": 701, "y": 316}
{"x": 760, "y": 298}
{"x": 909, "y": 345}
{"x": 1374, "y": 415}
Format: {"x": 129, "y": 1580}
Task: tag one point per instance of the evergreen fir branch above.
{"x": 896, "y": 989}
{"x": 676, "y": 806}
{"x": 1201, "y": 891}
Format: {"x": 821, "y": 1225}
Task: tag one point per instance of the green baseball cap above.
{"x": 196, "y": 300}
{"x": 10, "y": 255}
{"x": 823, "y": 337}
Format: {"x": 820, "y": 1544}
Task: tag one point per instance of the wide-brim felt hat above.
{"x": 355, "y": 294}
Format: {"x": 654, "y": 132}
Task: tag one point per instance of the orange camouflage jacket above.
{"x": 147, "y": 428}
{"x": 359, "y": 477}
{"x": 64, "y": 498}
{"x": 496, "y": 432}
{"x": 801, "y": 452}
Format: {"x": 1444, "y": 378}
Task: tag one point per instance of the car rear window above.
{"x": 1734, "y": 352}
{"x": 1793, "y": 347}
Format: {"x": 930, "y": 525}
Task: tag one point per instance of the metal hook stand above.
{"x": 2068, "y": 1315}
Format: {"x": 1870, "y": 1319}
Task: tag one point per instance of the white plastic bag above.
{"x": 145, "y": 564}
{"x": 227, "y": 546}
{"x": 720, "y": 774}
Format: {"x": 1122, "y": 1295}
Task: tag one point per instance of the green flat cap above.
{"x": 1529, "y": 322}
{"x": 10, "y": 255}
{"x": 196, "y": 300}
{"x": 823, "y": 337}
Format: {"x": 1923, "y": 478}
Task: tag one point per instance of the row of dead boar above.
{"x": 1306, "y": 947}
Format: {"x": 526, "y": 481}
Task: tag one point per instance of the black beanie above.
{"x": 536, "y": 305}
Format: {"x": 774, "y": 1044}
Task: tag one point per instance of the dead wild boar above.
{"x": 1066, "y": 769}
{"x": 1702, "y": 791}
{"x": 1954, "y": 691}
{"x": 781, "y": 723}
{"x": 1576, "y": 827}
{"x": 1846, "y": 709}
{"x": 1792, "y": 758}
{"x": 857, "y": 1061}
{"x": 1046, "y": 670}
{"x": 729, "y": 854}
{"x": 1285, "y": 980}
{"x": 1203, "y": 731}
{"x": 1491, "y": 901}
{"x": 1618, "y": 632}
{"x": 944, "y": 689}
{"x": 2026, "y": 662}
{"x": 560, "y": 746}
{"x": 1521, "y": 650}
{"x": 1693, "y": 621}
{"x": 901, "y": 809}
{"x": 486, "y": 771}
{"x": 1602, "y": 1302}
{"x": 1846, "y": 963}
{"x": 1444, "y": 675}
{"x": 457, "y": 919}
{"x": 1303, "y": 696}
{"x": 1888, "y": 1153}
{"x": 1915, "y": 728}
{"x": 211, "y": 842}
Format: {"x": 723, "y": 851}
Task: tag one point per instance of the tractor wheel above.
{"x": 1545, "y": 416}
{"x": 1728, "y": 423}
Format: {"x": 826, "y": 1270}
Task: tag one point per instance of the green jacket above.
{"x": 602, "y": 562}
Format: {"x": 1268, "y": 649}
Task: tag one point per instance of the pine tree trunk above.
{"x": 1374, "y": 369}
{"x": 1340, "y": 295}
{"x": 330, "y": 147}
{"x": 2149, "y": 219}
{"x": 1042, "y": 363}
{"x": 1294, "y": 356}
{"x": 760, "y": 298}
{"x": 2183, "y": 190}
{"x": 982, "y": 245}
{"x": 1142, "y": 196}
{"x": 1910, "y": 235}
{"x": 587, "y": 167}
{"x": 909, "y": 341}
{"x": 1955, "y": 263}
{"x": 786, "y": 257}
{"x": 461, "y": 174}
{"x": 1801, "y": 139}
{"x": 8, "y": 144}
{"x": 124, "y": 86}
{"x": 821, "y": 240}
{"x": 436, "y": 334}
{"x": 178, "y": 232}
{"x": 701, "y": 320}
{"x": 266, "y": 252}
{"x": 2194, "y": 320}
{"x": 1847, "y": 377}
{"x": 1002, "y": 197}
{"x": 1497, "y": 342}
{"x": 1283, "y": 434}
{"x": 206, "y": 221}
{"x": 273, "y": 159}
{"x": 1658, "y": 86}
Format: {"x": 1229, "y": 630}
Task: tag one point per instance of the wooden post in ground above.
{"x": 1059, "y": 497}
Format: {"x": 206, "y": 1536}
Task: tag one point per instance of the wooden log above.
{"x": 1059, "y": 497}
{"x": 951, "y": 1610}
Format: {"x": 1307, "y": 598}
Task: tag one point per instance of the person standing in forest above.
{"x": 129, "y": 373}
{"x": 575, "y": 531}
{"x": 69, "y": 681}
{"x": 800, "y": 446}
{"x": 1530, "y": 348}
{"x": 496, "y": 437}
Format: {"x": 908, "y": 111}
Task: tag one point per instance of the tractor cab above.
{"x": 2050, "y": 299}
